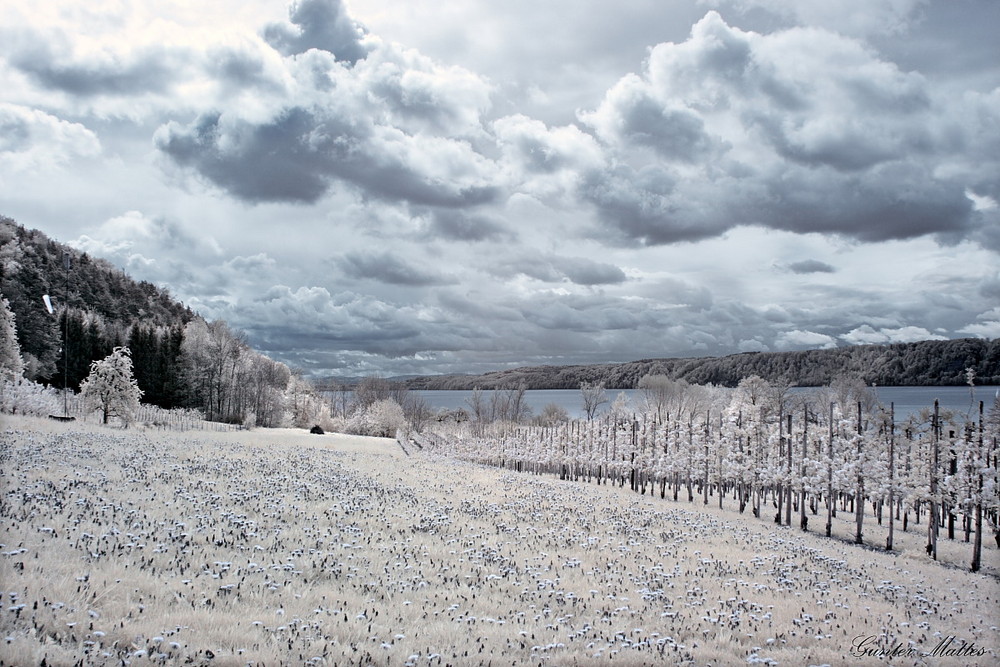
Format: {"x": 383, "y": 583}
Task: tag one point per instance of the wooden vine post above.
{"x": 932, "y": 520}
{"x": 859, "y": 501}
{"x": 830, "y": 509}
{"x": 892, "y": 473}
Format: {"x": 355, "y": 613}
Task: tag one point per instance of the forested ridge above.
{"x": 179, "y": 360}
{"x": 924, "y": 363}
{"x": 97, "y": 308}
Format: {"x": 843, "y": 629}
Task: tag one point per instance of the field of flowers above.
{"x": 146, "y": 546}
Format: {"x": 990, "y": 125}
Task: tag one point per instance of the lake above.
{"x": 907, "y": 400}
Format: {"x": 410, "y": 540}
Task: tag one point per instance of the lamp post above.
{"x": 67, "y": 263}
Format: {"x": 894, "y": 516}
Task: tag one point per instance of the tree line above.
{"x": 923, "y": 363}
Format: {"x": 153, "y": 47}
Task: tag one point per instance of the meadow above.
{"x": 275, "y": 546}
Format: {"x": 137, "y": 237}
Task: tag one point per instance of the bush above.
{"x": 382, "y": 419}
{"x": 552, "y": 415}
{"x": 24, "y": 397}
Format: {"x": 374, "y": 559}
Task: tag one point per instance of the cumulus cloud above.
{"x": 31, "y": 139}
{"x": 798, "y": 339}
{"x": 866, "y": 335}
{"x": 319, "y": 24}
{"x": 297, "y": 155}
{"x": 804, "y": 130}
{"x": 637, "y": 115}
{"x": 987, "y": 329}
{"x": 781, "y": 178}
{"x": 547, "y": 163}
{"x": 537, "y": 149}
{"x": 159, "y": 250}
{"x": 392, "y": 127}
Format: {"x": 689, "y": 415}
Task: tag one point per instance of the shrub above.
{"x": 382, "y": 419}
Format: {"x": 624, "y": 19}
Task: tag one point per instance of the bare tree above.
{"x": 656, "y": 390}
{"x": 371, "y": 389}
{"x": 477, "y": 405}
{"x": 594, "y": 397}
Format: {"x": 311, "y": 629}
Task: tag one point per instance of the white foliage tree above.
{"x": 112, "y": 388}
{"x": 382, "y": 418}
{"x": 11, "y": 364}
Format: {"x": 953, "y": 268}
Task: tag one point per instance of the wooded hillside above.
{"x": 925, "y": 363}
{"x": 97, "y": 307}
{"x": 178, "y": 359}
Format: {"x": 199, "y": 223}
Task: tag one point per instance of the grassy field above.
{"x": 280, "y": 547}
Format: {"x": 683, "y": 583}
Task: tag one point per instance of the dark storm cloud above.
{"x": 385, "y": 267}
{"x": 811, "y": 266}
{"x": 269, "y": 162}
{"x": 318, "y": 24}
{"x": 879, "y": 206}
{"x": 987, "y": 232}
{"x": 297, "y": 155}
{"x": 241, "y": 69}
{"x": 473, "y": 307}
{"x": 643, "y": 206}
{"x": 310, "y": 318}
{"x": 46, "y": 60}
{"x": 676, "y": 134}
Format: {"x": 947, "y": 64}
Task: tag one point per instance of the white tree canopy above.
{"x": 112, "y": 388}
{"x": 11, "y": 364}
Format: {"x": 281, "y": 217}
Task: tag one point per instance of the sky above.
{"x": 414, "y": 187}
